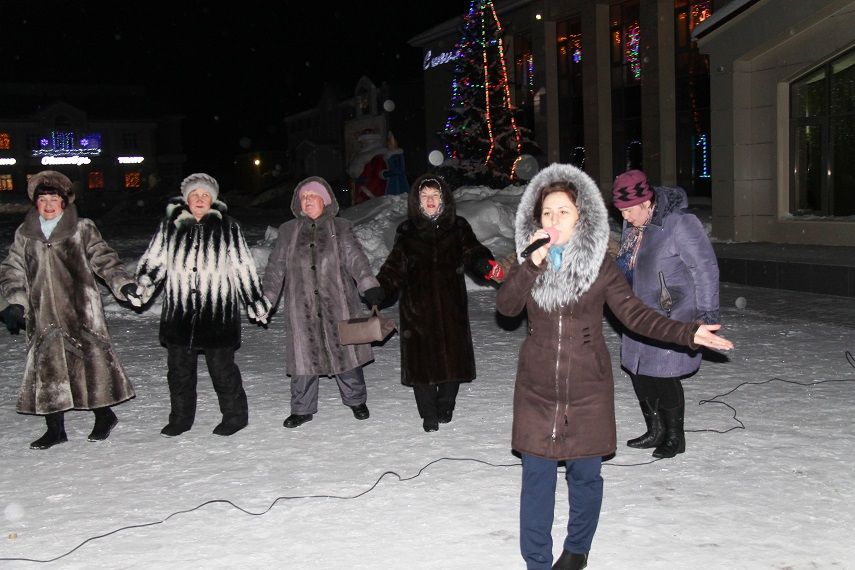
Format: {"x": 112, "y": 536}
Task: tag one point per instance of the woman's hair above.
{"x": 560, "y": 186}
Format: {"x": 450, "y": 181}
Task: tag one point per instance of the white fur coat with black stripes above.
{"x": 208, "y": 272}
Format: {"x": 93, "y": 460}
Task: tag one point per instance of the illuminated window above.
{"x": 96, "y": 180}
{"x": 5, "y": 141}
{"x": 6, "y": 184}
{"x": 133, "y": 179}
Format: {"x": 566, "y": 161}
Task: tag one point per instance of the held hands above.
{"x": 705, "y": 336}
{"x": 131, "y": 291}
{"x": 375, "y": 296}
{"x": 13, "y": 316}
{"x": 496, "y": 273}
{"x": 259, "y": 311}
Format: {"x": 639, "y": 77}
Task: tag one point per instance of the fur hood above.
{"x": 414, "y": 210}
{"x": 331, "y": 210}
{"x": 586, "y": 249}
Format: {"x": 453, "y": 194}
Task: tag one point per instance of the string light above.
{"x": 631, "y": 50}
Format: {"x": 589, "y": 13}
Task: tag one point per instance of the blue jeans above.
{"x": 537, "y": 506}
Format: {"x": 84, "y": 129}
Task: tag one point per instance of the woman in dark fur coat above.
{"x": 425, "y": 269}
{"x": 209, "y": 273}
{"x": 564, "y": 392}
{"x": 48, "y": 278}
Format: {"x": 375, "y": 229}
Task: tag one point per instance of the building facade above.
{"x": 684, "y": 89}
{"x": 105, "y": 157}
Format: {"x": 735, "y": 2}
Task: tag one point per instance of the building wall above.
{"x": 753, "y": 59}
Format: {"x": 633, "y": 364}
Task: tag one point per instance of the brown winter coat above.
{"x": 320, "y": 269}
{"x": 564, "y": 393}
{"x": 426, "y": 270}
{"x": 70, "y": 360}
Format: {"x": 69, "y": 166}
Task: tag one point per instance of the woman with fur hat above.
{"x": 321, "y": 267}
{"x": 670, "y": 264}
{"x": 48, "y": 277}
{"x": 433, "y": 247}
{"x": 199, "y": 252}
{"x": 564, "y": 393}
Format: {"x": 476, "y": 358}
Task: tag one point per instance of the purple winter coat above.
{"x": 676, "y": 246}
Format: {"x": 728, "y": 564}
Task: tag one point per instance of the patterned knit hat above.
{"x": 630, "y": 189}
{"x": 197, "y": 181}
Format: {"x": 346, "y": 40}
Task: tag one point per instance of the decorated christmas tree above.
{"x": 481, "y": 131}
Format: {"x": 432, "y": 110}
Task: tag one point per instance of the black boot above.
{"x": 675, "y": 438}
{"x": 105, "y": 421}
{"x": 55, "y": 433}
{"x": 570, "y": 561}
{"x": 655, "y": 433}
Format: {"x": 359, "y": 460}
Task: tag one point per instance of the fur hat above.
{"x": 200, "y": 180}
{"x": 630, "y": 189}
{"x": 315, "y": 187}
{"x": 50, "y": 182}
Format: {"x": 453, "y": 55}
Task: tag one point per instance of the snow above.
{"x": 766, "y": 481}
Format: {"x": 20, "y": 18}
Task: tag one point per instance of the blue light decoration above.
{"x": 702, "y": 145}
{"x": 62, "y": 143}
{"x": 576, "y": 42}
{"x": 631, "y": 51}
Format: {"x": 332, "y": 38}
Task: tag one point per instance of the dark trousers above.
{"x": 433, "y": 398}
{"x": 182, "y": 364}
{"x": 668, "y": 392}
{"x": 537, "y": 507}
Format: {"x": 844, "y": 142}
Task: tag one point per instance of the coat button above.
{"x": 311, "y": 245}
{"x": 313, "y": 268}
{"x": 316, "y": 291}
{"x": 194, "y": 269}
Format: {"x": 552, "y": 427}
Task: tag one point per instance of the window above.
{"x": 6, "y": 184}
{"x": 625, "y": 39}
{"x": 822, "y": 140}
{"x": 571, "y": 132}
{"x": 96, "y": 180}
{"x": 129, "y": 141}
{"x": 133, "y": 179}
{"x": 692, "y": 85}
{"x": 5, "y": 141}
{"x": 524, "y": 80}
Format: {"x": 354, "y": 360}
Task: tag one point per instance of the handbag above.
{"x": 364, "y": 330}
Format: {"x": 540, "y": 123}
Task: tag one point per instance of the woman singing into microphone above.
{"x": 564, "y": 393}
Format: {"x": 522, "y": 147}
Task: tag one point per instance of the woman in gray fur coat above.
{"x": 670, "y": 264}
{"x": 564, "y": 392}
{"x": 49, "y": 281}
{"x": 321, "y": 267}
{"x": 199, "y": 252}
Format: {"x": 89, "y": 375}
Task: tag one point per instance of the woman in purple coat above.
{"x": 668, "y": 260}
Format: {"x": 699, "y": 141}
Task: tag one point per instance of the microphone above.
{"x": 537, "y": 244}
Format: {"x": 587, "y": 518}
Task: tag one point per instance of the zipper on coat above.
{"x": 557, "y": 382}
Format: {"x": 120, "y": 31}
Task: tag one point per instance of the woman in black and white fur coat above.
{"x": 201, "y": 255}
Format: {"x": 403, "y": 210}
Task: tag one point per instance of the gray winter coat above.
{"x": 320, "y": 269}
{"x": 676, "y": 273}
{"x": 70, "y": 359}
{"x": 564, "y": 391}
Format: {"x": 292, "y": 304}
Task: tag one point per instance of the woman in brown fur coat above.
{"x": 48, "y": 278}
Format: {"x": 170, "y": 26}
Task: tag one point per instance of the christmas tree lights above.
{"x": 481, "y": 127}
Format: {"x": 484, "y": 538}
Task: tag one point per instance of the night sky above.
{"x": 234, "y": 72}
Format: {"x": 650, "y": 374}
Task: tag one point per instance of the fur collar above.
{"x": 32, "y": 229}
{"x": 585, "y": 251}
{"x": 179, "y": 213}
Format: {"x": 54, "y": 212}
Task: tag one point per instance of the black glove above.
{"x": 130, "y": 291}
{"x": 482, "y": 266}
{"x": 375, "y": 296}
{"x": 13, "y": 316}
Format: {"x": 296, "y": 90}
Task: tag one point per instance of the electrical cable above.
{"x": 714, "y": 400}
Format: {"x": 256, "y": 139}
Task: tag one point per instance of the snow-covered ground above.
{"x": 766, "y": 481}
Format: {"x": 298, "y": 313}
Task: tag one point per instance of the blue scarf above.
{"x": 556, "y": 254}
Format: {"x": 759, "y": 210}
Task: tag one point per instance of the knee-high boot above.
{"x": 655, "y": 434}
{"x": 55, "y": 433}
{"x": 675, "y": 437}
